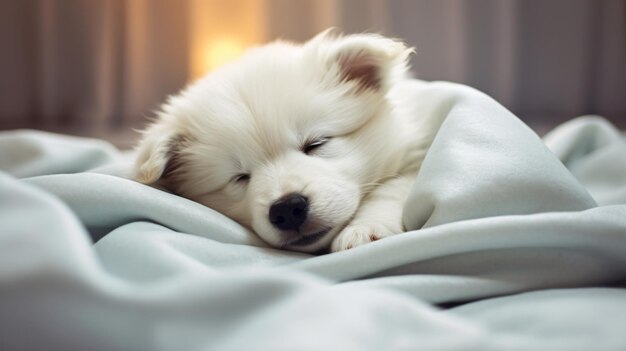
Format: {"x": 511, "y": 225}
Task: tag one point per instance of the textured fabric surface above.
{"x": 527, "y": 238}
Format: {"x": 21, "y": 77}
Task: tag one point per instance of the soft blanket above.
{"x": 514, "y": 243}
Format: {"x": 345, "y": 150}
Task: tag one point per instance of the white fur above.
{"x": 253, "y": 115}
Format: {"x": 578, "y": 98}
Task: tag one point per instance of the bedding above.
{"x": 513, "y": 242}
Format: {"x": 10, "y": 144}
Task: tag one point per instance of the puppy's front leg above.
{"x": 379, "y": 216}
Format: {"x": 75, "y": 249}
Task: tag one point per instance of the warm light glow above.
{"x": 221, "y": 31}
{"x": 220, "y": 51}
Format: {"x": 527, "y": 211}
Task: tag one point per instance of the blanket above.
{"x": 513, "y": 242}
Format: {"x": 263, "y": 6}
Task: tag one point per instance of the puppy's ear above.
{"x": 157, "y": 152}
{"x": 370, "y": 62}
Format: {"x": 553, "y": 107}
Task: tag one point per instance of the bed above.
{"x": 514, "y": 243}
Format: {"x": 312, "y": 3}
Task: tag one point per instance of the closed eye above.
{"x": 241, "y": 178}
{"x": 312, "y": 145}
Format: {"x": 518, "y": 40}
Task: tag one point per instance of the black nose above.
{"x": 289, "y": 212}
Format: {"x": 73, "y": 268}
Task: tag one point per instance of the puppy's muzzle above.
{"x": 289, "y": 212}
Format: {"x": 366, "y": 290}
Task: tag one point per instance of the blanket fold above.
{"x": 485, "y": 162}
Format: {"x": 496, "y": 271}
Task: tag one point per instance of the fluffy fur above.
{"x": 249, "y": 133}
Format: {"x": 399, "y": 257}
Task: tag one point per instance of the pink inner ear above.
{"x": 361, "y": 67}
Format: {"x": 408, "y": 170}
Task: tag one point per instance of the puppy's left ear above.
{"x": 369, "y": 62}
{"x": 157, "y": 152}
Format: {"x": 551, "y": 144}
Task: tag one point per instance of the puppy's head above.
{"x": 286, "y": 140}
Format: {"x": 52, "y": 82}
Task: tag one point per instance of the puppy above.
{"x": 310, "y": 146}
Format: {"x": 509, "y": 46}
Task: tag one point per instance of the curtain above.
{"x": 86, "y": 66}
{"x": 82, "y": 65}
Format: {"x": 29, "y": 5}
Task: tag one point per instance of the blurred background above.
{"x": 100, "y": 67}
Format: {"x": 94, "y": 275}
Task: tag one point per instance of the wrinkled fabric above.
{"x": 527, "y": 238}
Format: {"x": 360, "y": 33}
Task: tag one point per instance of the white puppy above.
{"x": 310, "y": 146}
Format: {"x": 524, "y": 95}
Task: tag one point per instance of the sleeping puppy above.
{"x": 310, "y": 146}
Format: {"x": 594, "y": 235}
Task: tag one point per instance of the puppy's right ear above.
{"x": 369, "y": 62}
{"x": 156, "y": 152}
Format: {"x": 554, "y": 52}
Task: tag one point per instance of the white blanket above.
{"x": 527, "y": 242}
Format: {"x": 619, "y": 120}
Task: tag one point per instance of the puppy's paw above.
{"x": 358, "y": 234}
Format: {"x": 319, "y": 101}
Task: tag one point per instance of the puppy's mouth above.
{"x": 309, "y": 239}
